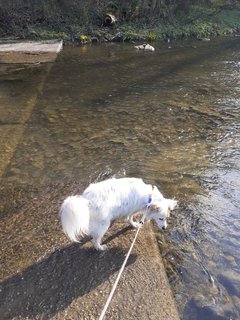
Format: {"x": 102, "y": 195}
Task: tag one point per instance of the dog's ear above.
{"x": 153, "y": 207}
{"x": 172, "y": 204}
{"x": 157, "y": 194}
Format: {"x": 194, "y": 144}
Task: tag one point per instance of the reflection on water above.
{"x": 170, "y": 117}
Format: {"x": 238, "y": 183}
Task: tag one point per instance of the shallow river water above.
{"x": 171, "y": 117}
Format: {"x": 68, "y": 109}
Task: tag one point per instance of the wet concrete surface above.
{"x": 30, "y": 51}
{"x": 17, "y": 104}
{"x": 43, "y": 276}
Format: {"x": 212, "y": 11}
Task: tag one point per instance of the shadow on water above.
{"x": 51, "y": 285}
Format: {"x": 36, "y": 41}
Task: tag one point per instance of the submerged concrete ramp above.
{"x": 30, "y": 51}
{"x": 143, "y": 291}
{"x": 42, "y": 274}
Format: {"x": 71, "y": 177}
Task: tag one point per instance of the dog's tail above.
{"x": 74, "y": 214}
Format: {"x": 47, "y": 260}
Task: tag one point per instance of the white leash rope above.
{"x": 120, "y": 273}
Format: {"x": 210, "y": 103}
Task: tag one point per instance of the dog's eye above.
{"x": 161, "y": 219}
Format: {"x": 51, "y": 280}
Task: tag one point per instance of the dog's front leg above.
{"x": 133, "y": 223}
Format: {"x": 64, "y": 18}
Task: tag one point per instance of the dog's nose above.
{"x": 164, "y": 228}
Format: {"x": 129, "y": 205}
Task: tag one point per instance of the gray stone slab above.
{"x": 32, "y": 46}
{"x": 30, "y": 51}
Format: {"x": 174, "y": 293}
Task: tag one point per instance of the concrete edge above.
{"x": 30, "y": 52}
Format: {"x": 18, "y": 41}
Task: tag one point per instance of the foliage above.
{"x": 136, "y": 19}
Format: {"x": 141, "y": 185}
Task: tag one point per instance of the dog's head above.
{"x": 160, "y": 210}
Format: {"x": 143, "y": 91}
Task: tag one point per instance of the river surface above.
{"x": 171, "y": 117}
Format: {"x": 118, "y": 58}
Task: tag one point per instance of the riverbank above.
{"x": 79, "y": 23}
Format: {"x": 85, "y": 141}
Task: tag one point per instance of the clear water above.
{"x": 170, "y": 117}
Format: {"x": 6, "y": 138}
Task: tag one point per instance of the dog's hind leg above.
{"x": 97, "y": 244}
{"x": 97, "y": 237}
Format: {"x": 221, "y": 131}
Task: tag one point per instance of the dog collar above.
{"x": 149, "y": 201}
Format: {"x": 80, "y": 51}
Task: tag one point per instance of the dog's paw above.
{"x": 135, "y": 225}
{"x": 102, "y": 247}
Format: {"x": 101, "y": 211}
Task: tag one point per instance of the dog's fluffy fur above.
{"x": 92, "y": 213}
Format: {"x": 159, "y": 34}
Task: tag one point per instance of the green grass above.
{"x": 197, "y": 21}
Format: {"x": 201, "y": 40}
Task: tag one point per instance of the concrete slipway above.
{"x": 43, "y": 276}
{"x": 29, "y": 51}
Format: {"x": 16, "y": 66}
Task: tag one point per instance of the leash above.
{"x": 120, "y": 272}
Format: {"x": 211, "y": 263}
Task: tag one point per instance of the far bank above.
{"x": 83, "y": 21}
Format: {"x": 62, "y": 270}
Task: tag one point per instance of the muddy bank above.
{"x": 44, "y": 276}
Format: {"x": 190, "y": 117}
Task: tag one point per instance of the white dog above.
{"x": 92, "y": 213}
